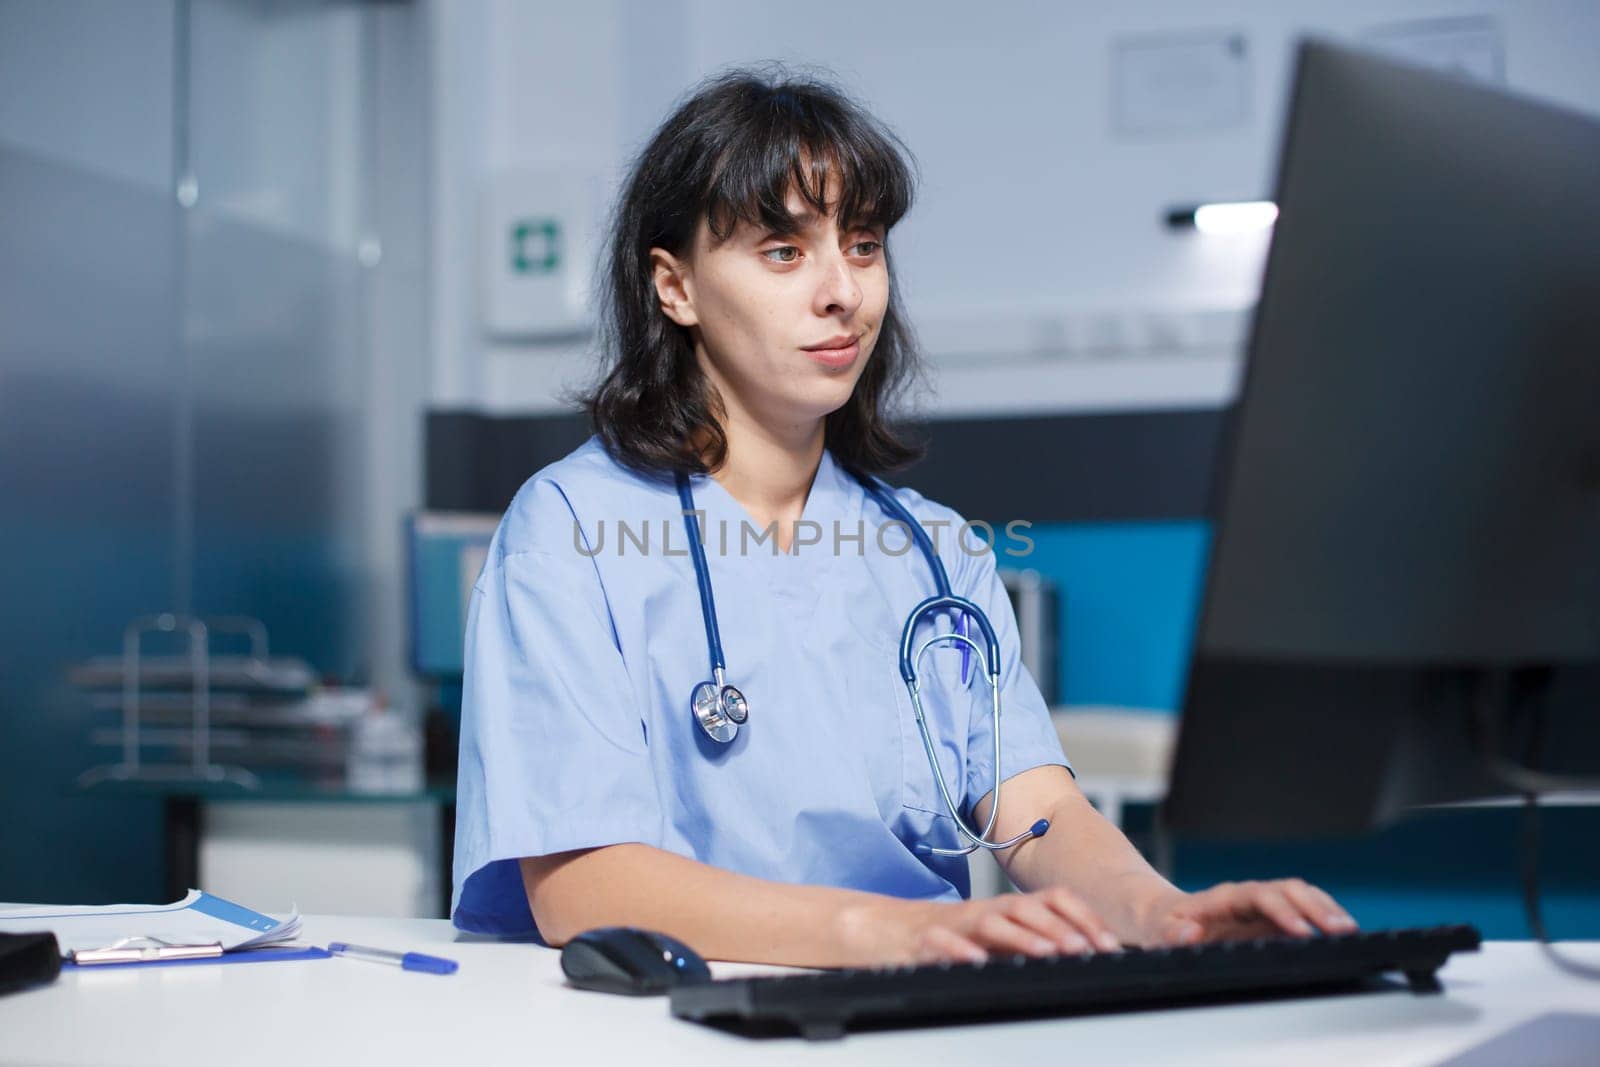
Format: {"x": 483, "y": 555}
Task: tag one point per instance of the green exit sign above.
{"x": 535, "y": 246}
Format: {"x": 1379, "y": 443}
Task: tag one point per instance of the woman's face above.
{"x": 783, "y": 324}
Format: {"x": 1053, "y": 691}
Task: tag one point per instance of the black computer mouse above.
{"x": 626, "y": 959}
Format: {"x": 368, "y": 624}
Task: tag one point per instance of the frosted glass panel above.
{"x": 88, "y": 380}
{"x": 185, "y": 392}
{"x": 273, "y": 323}
{"x": 276, "y": 114}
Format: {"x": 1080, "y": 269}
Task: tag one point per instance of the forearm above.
{"x": 1085, "y": 853}
{"x": 721, "y": 914}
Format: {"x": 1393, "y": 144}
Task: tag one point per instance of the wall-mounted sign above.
{"x": 537, "y": 244}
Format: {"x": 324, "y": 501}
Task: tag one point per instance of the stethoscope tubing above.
{"x": 942, "y": 600}
{"x": 702, "y": 577}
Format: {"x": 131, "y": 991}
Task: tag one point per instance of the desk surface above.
{"x": 508, "y": 1003}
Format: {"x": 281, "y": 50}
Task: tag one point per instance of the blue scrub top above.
{"x": 585, "y": 639}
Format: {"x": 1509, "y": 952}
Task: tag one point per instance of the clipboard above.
{"x": 200, "y": 928}
{"x": 143, "y": 950}
{"x": 165, "y": 955}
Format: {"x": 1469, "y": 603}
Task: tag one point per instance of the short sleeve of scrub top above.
{"x": 552, "y": 754}
{"x": 585, "y": 638}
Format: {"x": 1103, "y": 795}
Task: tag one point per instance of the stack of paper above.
{"x": 198, "y": 919}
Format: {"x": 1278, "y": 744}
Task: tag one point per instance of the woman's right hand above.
{"x": 1050, "y": 922}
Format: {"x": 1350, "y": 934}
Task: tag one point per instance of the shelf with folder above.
{"x": 184, "y": 806}
{"x": 189, "y": 685}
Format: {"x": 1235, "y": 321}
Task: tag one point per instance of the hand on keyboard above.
{"x": 1235, "y": 911}
{"x": 1056, "y": 921}
{"x": 1046, "y": 923}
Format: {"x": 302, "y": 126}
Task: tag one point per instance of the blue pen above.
{"x": 411, "y": 961}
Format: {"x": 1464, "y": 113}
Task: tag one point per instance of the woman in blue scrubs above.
{"x": 755, "y": 349}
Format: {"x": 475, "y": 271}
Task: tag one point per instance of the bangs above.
{"x": 800, "y": 144}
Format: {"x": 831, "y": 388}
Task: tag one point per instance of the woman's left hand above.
{"x": 1239, "y": 910}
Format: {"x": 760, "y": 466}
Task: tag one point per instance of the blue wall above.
{"x": 1129, "y": 598}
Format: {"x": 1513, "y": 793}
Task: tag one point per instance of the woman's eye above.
{"x": 870, "y": 246}
{"x": 786, "y": 254}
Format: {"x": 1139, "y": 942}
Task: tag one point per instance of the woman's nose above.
{"x": 838, "y": 290}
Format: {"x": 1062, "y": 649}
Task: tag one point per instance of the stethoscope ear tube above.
{"x": 965, "y": 607}
{"x": 979, "y": 838}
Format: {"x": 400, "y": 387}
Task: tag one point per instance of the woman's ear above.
{"x": 671, "y": 277}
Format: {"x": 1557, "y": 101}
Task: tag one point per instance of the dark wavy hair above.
{"x": 731, "y": 153}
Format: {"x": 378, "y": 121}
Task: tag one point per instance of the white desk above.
{"x": 508, "y": 1004}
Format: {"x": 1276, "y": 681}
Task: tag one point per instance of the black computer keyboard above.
{"x": 823, "y": 1004}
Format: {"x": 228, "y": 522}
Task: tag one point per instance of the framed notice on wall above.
{"x": 536, "y": 252}
{"x": 1179, "y": 83}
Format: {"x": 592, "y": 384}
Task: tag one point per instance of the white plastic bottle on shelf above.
{"x": 385, "y": 753}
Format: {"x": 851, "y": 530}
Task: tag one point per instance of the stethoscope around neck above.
{"x": 721, "y": 709}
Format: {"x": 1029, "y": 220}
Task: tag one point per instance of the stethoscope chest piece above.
{"x": 734, "y": 705}
{"x": 719, "y": 709}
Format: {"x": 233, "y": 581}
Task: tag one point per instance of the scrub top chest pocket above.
{"x": 948, "y": 706}
{"x": 889, "y": 720}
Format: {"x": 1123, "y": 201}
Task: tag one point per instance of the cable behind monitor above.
{"x": 1498, "y": 692}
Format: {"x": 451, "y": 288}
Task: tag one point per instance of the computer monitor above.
{"x": 1407, "y": 539}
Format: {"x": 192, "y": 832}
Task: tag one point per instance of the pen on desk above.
{"x": 411, "y": 961}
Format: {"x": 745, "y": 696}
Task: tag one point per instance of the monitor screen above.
{"x": 1408, "y": 501}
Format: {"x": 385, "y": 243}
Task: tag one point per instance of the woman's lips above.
{"x": 835, "y": 358}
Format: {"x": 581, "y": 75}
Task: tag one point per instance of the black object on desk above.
{"x": 28, "y": 960}
{"x": 823, "y": 1004}
{"x": 626, "y": 959}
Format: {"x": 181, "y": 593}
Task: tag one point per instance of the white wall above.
{"x": 1038, "y": 228}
